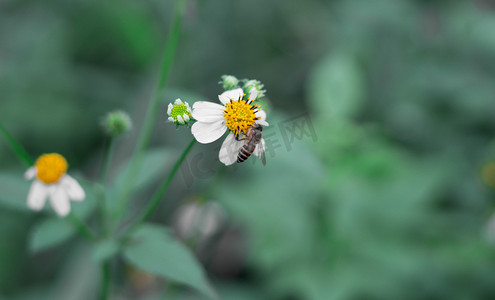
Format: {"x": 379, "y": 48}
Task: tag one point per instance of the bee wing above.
{"x": 261, "y": 152}
{"x": 263, "y": 158}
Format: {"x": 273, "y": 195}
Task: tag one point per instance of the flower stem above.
{"x": 153, "y": 107}
{"x": 81, "y": 227}
{"x": 107, "y": 159}
{"x": 104, "y": 173}
{"x": 105, "y": 226}
{"x": 105, "y": 288}
{"x": 153, "y": 204}
{"x": 16, "y": 147}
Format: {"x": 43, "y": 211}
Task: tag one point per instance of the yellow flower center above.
{"x": 179, "y": 110}
{"x": 240, "y": 115}
{"x": 51, "y": 167}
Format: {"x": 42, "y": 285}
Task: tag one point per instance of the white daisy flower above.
{"x": 179, "y": 112}
{"x": 235, "y": 114}
{"x": 51, "y": 181}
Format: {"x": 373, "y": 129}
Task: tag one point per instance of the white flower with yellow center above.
{"x": 179, "y": 112}
{"x": 51, "y": 181}
{"x": 236, "y": 114}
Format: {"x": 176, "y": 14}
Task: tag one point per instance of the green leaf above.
{"x": 104, "y": 250}
{"x": 49, "y": 233}
{"x": 154, "y": 250}
{"x": 336, "y": 86}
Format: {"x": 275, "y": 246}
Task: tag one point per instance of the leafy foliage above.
{"x": 152, "y": 249}
{"x": 49, "y": 233}
{"x": 389, "y": 202}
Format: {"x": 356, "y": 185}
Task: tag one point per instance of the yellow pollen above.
{"x": 51, "y": 167}
{"x": 239, "y": 116}
{"x": 179, "y": 110}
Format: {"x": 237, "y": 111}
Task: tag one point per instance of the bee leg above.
{"x": 237, "y": 138}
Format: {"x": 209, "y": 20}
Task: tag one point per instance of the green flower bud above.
{"x": 229, "y": 82}
{"x": 252, "y": 84}
{"x": 116, "y": 123}
{"x": 179, "y": 112}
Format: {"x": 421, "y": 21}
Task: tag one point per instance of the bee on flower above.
{"x": 51, "y": 181}
{"x": 236, "y": 114}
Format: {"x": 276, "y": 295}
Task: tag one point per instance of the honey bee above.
{"x": 253, "y": 138}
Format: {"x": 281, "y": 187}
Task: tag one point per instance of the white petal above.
{"x": 207, "y": 115}
{"x": 30, "y": 173}
{"x": 230, "y": 149}
{"x": 253, "y": 94}
{"x": 179, "y": 118}
{"x": 262, "y": 123}
{"x": 187, "y": 105}
{"x": 73, "y": 188}
{"x": 185, "y": 117}
{"x": 208, "y": 105}
{"x": 260, "y": 148}
{"x": 189, "y": 109}
{"x": 207, "y": 112}
{"x": 37, "y": 195}
{"x": 60, "y": 201}
{"x": 178, "y": 101}
{"x": 208, "y": 132}
{"x": 171, "y": 119}
{"x": 262, "y": 115}
{"x": 233, "y": 95}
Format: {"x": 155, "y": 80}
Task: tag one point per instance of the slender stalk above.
{"x": 105, "y": 288}
{"x": 153, "y": 204}
{"x": 107, "y": 159}
{"x": 153, "y": 107}
{"x": 81, "y": 227}
{"x": 104, "y": 173}
{"x": 16, "y": 147}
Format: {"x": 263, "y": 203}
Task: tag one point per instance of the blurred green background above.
{"x": 390, "y": 197}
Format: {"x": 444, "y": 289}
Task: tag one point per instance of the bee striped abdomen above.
{"x": 245, "y": 152}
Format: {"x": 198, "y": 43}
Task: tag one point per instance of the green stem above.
{"x": 16, "y": 147}
{"x": 153, "y": 107}
{"x": 81, "y": 227}
{"x": 153, "y": 204}
{"x": 105, "y": 288}
{"x": 104, "y": 173}
{"x": 107, "y": 160}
